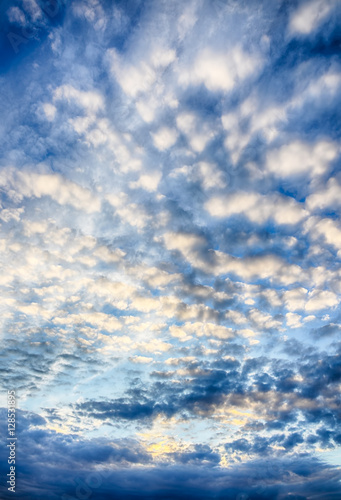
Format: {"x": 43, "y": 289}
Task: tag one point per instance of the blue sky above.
{"x": 171, "y": 244}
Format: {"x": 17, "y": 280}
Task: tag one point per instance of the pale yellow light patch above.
{"x": 224, "y": 462}
{"x": 159, "y": 440}
{"x": 62, "y": 429}
{"x": 233, "y": 416}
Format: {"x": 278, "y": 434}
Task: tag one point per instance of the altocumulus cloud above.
{"x": 171, "y": 241}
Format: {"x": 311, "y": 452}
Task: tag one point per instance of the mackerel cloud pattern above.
{"x": 171, "y": 245}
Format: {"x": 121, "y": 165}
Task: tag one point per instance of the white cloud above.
{"x": 197, "y": 132}
{"x": 34, "y": 309}
{"x": 295, "y": 299}
{"x": 149, "y": 181}
{"x": 161, "y": 57}
{"x": 210, "y": 176}
{"x": 8, "y": 214}
{"x": 155, "y": 277}
{"x": 185, "y": 243}
{"x": 220, "y": 71}
{"x": 178, "y": 361}
{"x": 309, "y": 15}
{"x": 16, "y": 15}
{"x": 164, "y": 138}
{"x": 33, "y": 9}
{"x": 293, "y": 320}
{"x": 299, "y": 158}
{"x": 107, "y": 255}
{"x": 49, "y": 110}
{"x": 92, "y": 11}
{"x": 330, "y": 231}
{"x": 301, "y": 299}
{"x": 320, "y": 88}
{"x": 311, "y": 317}
{"x": 187, "y": 19}
{"x": 61, "y": 190}
{"x": 257, "y": 208}
{"x": 330, "y": 196}
{"x": 236, "y": 316}
{"x": 98, "y": 320}
{"x": 266, "y": 121}
{"x": 186, "y": 331}
{"x": 33, "y": 227}
{"x": 263, "y": 319}
{"x": 133, "y": 79}
{"x": 134, "y": 214}
{"x": 194, "y": 249}
{"x": 264, "y": 266}
{"x": 92, "y": 101}
{"x": 144, "y": 304}
{"x": 155, "y": 346}
{"x": 321, "y": 299}
{"x": 235, "y": 140}
{"x": 141, "y": 360}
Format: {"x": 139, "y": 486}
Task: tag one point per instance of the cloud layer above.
{"x": 171, "y": 244}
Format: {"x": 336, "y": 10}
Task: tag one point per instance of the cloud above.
{"x": 133, "y": 79}
{"x": 198, "y": 133}
{"x": 201, "y": 329}
{"x": 49, "y": 110}
{"x": 16, "y": 15}
{"x": 164, "y": 138}
{"x": 220, "y": 71}
{"x": 293, "y": 320}
{"x": 328, "y": 196}
{"x": 321, "y": 299}
{"x": 90, "y": 100}
{"x": 309, "y": 16}
{"x": 330, "y": 231}
{"x": 75, "y": 466}
{"x": 149, "y": 182}
{"x": 257, "y": 208}
{"x": 299, "y": 158}
{"x": 141, "y": 359}
{"x": 295, "y": 299}
{"x": 169, "y": 202}
{"x": 63, "y": 191}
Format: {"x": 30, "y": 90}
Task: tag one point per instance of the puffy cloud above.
{"x": 293, "y": 320}
{"x": 309, "y": 16}
{"x": 149, "y": 181}
{"x": 49, "y": 110}
{"x": 198, "y": 133}
{"x": 298, "y": 158}
{"x": 90, "y": 100}
{"x": 63, "y": 191}
{"x": 164, "y": 138}
{"x": 132, "y": 79}
{"x": 263, "y": 267}
{"x": 295, "y": 299}
{"x": 141, "y": 360}
{"x": 330, "y": 231}
{"x": 328, "y": 197}
{"x": 161, "y": 261}
{"x": 321, "y": 299}
{"x": 220, "y": 71}
{"x": 257, "y": 208}
{"x": 185, "y": 243}
{"x": 185, "y": 331}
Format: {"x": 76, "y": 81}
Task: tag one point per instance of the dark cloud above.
{"x": 87, "y": 474}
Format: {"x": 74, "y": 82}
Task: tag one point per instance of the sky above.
{"x": 170, "y": 244}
